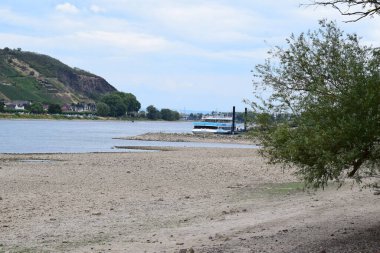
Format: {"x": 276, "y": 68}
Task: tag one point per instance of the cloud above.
{"x": 97, "y": 9}
{"x": 172, "y": 47}
{"x": 206, "y": 22}
{"x": 129, "y": 42}
{"x": 7, "y": 16}
{"x": 67, "y": 8}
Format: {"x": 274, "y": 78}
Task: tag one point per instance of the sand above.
{"x": 205, "y": 200}
{"x": 189, "y": 137}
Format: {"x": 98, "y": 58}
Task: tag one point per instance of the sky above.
{"x": 186, "y": 55}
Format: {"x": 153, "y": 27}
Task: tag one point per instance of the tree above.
{"x": 331, "y": 86}
{"x": 358, "y": 8}
{"x": 152, "y": 113}
{"x": 2, "y": 105}
{"x": 54, "y": 109}
{"x": 119, "y": 103}
{"x": 116, "y": 104}
{"x": 130, "y": 101}
{"x": 102, "y": 109}
{"x": 167, "y": 114}
{"x": 36, "y": 108}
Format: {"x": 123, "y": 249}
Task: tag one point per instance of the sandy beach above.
{"x": 189, "y": 137}
{"x": 180, "y": 200}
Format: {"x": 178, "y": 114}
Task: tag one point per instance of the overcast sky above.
{"x": 177, "y": 54}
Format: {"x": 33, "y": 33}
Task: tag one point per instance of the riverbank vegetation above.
{"x": 115, "y": 105}
{"x": 329, "y": 83}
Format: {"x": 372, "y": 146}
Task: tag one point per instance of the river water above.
{"x": 82, "y": 136}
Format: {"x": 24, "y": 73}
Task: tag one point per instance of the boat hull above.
{"x": 210, "y": 131}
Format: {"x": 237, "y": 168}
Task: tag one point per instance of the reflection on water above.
{"x": 70, "y": 136}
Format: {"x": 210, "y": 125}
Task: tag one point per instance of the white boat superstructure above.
{"x": 216, "y": 124}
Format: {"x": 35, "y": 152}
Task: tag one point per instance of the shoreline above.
{"x": 190, "y": 137}
{"x": 5, "y": 116}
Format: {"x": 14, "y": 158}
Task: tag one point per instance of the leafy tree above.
{"x": 116, "y": 104}
{"x": 119, "y": 103}
{"x": 2, "y": 105}
{"x": 152, "y": 112}
{"x": 54, "y": 109}
{"x": 167, "y": 114}
{"x": 193, "y": 116}
{"x": 36, "y": 108}
{"x": 358, "y": 8}
{"x": 331, "y": 86}
{"x": 102, "y": 109}
{"x": 130, "y": 101}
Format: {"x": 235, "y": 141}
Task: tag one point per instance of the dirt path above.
{"x": 210, "y": 200}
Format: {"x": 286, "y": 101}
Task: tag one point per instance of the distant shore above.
{"x": 189, "y": 137}
{"x": 12, "y": 116}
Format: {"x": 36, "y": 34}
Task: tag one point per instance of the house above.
{"x": 83, "y": 107}
{"x": 66, "y": 108}
{"x": 18, "y": 105}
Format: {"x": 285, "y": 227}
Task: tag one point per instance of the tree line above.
{"x": 115, "y": 104}
{"x": 118, "y": 104}
{"x": 153, "y": 113}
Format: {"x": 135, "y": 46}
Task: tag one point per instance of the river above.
{"x": 82, "y": 136}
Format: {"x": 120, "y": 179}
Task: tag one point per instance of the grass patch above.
{"x": 267, "y": 190}
{"x": 282, "y": 188}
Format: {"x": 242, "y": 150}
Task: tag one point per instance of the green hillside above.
{"x": 36, "y": 77}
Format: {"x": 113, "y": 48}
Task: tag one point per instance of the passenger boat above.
{"x": 216, "y": 125}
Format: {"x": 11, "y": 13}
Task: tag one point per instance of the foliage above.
{"x": 54, "y": 109}
{"x": 36, "y": 108}
{"x": 152, "y": 113}
{"x": 331, "y": 86}
{"x": 120, "y": 103}
{"x": 2, "y": 106}
{"x": 196, "y": 116}
{"x": 102, "y": 109}
{"x": 358, "y": 8}
{"x": 167, "y": 114}
{"x": 116, "y": 104}
{"x": 130, "y": 101}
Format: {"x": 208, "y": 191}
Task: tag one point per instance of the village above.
{"x": 23, "y": 105}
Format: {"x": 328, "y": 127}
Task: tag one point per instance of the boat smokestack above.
{"x": 233, "y": 120}
{"x": 245, "y": 119}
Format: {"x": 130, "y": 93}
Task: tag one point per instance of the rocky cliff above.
{"x": 37, "y": 77}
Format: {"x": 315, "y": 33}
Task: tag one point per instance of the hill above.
{"x": 36, "y": 77}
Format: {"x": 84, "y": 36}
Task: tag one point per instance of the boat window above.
{"x": 205, "y": 127}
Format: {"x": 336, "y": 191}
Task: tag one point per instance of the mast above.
{"x": 233, "y": 120}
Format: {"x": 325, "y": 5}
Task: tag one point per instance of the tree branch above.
{"x": 359, "y": 162}
{"x": 369, "y": 7}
